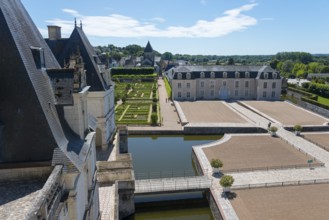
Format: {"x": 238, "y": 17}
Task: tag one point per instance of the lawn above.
{"x": 324, "y": 101}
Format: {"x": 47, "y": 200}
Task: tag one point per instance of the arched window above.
{"x": 224, "y": 74}
{"x": 212, "y": 74}
{"x": 179, "y": 76}
{"x": 275, "y": 75}
{"x": 247, "y": 75}
{"x": 266, "y": 75}
{"x": 237, "y": 75}
{"x": 188, "y": 75}
{"x": 202, "y": 75}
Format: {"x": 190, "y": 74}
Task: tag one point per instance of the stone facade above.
{"x": 224, "y": 82}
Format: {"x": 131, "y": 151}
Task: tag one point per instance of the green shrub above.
{"x": 154, "y": 107}
{"x": 298, "y": 128}
{"x": 154, "y": 100}
{"x": 168, "y": 87}
{"x": 226, "y": 181}
{"x": 132, "y": 71}
{"x": 273, "y": 129}
{"x": 154, "y": 118}
{"x": 216, "y": 163}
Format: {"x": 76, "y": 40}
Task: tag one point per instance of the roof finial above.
{"x": 75, "y": 22}
{"x": 80, "y": 24}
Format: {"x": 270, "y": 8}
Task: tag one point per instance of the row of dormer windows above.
{"x": 212, "y": 75}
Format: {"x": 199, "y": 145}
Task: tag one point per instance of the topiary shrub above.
{"x": 154, "y": 118}
{"x": 226, "y": 181}
{"x": 216, "y": 163}
{"x": 298, "y": 128}
{"x": 154, "y": 107}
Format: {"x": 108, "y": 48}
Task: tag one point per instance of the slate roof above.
{"x": 78, "y": 40}
{"x": 32, "y": 126}
{"x": 254, "y": 71}
{"x": 148, "y": 48}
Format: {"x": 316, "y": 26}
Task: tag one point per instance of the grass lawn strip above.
{"x": 124, "y": 112}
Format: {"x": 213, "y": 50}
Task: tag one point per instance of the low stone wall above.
{"x": 308, "y": 106}
{"x": 214, "y": 207}
{"x": 156, "y": 132}
{"x": 221, "y": 130}
{"x": 25, "y": 174}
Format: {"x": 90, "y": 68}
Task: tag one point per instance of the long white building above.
{"x": 224, "y": 82}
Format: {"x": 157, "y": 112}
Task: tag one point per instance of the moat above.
{"x": 156, "y": 156}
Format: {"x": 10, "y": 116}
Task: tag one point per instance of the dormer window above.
{"x": 266, "y": 75}
{"x": 188, "y": 75}
{"x": 202, "y": 75}
{"x": 179, "y": 75}
{"x": 212, "y": 74}
{"x": 247, "y": 75}
{"x": 237, "y": 75}
{"x": 224, "y": 74}
{"x": 38, "y": 56}
{"x": 275, "y": 75}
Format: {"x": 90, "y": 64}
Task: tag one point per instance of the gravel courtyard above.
{"x": 319, "y": 139}
{"x": 286, "y": 113}
{"x": 210, "y": 112}
{"x": 301, "y": 202}
{"x": 255, "y": 151}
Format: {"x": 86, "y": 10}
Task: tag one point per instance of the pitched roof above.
{"x": 31, "y": 125}
{"x": 78, "y": 40}
{"x": 148, "y": 48}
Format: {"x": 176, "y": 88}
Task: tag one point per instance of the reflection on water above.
{"x": 179, "y": 206}
{"x": 156, "y": 153}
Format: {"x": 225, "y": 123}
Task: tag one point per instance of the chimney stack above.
{"x": 54, "y": 32}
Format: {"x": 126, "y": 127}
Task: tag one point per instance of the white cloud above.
{"x": 116, "y": 25}
{"x": 158, "y": 19}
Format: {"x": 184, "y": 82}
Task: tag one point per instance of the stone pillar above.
{"x": 126, "y": 190}
{"x": 123, "y": 139}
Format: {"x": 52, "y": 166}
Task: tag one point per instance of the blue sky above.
{"x": 209, "y": 27}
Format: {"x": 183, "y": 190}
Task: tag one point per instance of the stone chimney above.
{"x": 54, "y": 32}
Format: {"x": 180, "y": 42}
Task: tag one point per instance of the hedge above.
{"x": 168, "y": 87}
{"x": 307, "y": 99}
{"x": 132, "y": 71}
{"x": 319, "y": 89}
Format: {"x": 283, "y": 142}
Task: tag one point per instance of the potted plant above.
{"x": 297, "y": 129}
{"x": 226, "y": 182}
{"x": 216, "y": 164}
{"x": 273, "y": 130}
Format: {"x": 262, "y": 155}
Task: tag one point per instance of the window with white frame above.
{"x": 246, "y": 84}
{"x": 212, "y": 92}
{"x": 212, "y": 74}
{"x": 202, "y": 84}
{"x": 188, "y": 85}
{"x": 247, "y": 75}
{"x": 179, "y": 75}
{"x": 275, "y": 75}
{"x": 224, "y": 74}
{"x": 266, "y": 75}
{"x": 273, "y": 94}
{"x": 212, "y": 84}
{"x": 179, "y": 85}
{"x": 264, "y": 94}
{"x": 273, "y": 85}
{"x": 188, "y": 94}
{"x": 236, "y": 84}
{"x": 202, "y": 75}
{"x": 237, "y": 75}
{"x": 188, "y": 75}
{"x": 179, "y": 94}
{"x": 265, "y": 85}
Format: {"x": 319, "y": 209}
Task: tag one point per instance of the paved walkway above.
{"x": 108, "y": 202}
{"x": 169, "y": 116}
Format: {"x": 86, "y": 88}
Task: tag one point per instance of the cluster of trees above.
{"x": 132, "y": 71}
{"x": 299, "y": 64}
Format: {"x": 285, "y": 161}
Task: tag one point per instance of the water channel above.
{"x": 157, "y": 156}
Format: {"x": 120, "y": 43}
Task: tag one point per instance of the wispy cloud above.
{"x": 158, "y": 19}
{"x": 116, "y": 25}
